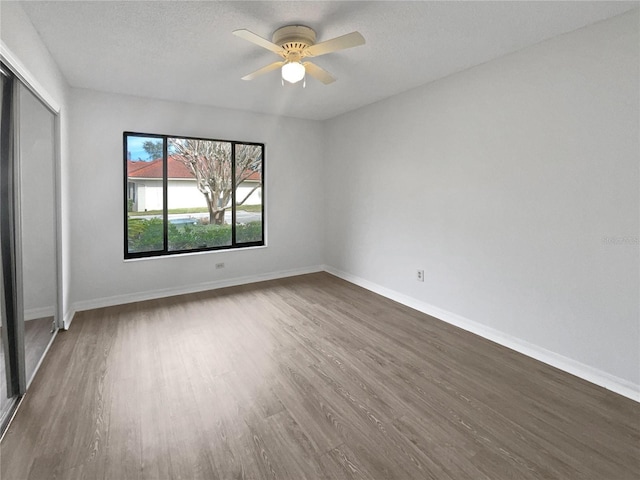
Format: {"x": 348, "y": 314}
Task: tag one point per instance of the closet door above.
{"x": 28, "y": 266}
{"x": 37, "y": 216}
{"x": 8, "y": 382}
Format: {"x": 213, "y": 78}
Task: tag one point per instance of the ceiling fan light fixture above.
{"x": 294, "y": 43}
{"x": 293, "y": 72}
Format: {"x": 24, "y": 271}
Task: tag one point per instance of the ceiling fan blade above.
{"x": 258, "y": 40}
{"x": 349, "y": 40}
{"x": 263, "y": 70}
{"x": 318, "y": 73}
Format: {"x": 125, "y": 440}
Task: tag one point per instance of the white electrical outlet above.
{"x": 219, "y": 265}
{"x": 420, "y": 275}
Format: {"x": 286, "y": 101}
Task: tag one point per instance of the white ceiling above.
{"x": 185, "y": 51}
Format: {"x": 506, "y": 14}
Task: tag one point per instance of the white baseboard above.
{"x": 183, "y": 289}
{"x": 41, "y": 312}
{"x": 593, "y": 375}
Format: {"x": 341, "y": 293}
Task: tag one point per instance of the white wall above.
{"x": 18, "y": 34}
{"x": 293, "y": 195}
{"x": 505, "y": 183}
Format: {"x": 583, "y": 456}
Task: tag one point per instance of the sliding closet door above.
{"x": 37, "y": 245}
{"x": 7, "y": 396}
{"x": 28, "y": 249}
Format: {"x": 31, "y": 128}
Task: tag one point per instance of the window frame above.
{"x": 165, "y": 210}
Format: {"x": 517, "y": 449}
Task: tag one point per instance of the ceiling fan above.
{"x": 294, "y": 43}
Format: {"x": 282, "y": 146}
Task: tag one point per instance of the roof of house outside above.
{"x": 175, "y": 169}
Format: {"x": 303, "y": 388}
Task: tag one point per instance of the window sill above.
{"x": 189, "y": 254}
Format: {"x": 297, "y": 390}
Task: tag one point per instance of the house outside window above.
{"x": 185, "y": 194}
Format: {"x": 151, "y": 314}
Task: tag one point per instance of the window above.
{"x": 186, "y": 194}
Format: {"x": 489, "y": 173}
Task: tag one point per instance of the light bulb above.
{"x": 293, "y": 72}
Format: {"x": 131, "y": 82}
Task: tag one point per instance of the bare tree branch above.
{"x": 210, "y": 164}
{"x": 248, "y": 194}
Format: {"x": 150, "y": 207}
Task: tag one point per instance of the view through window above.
{"x": 191, "y": 194}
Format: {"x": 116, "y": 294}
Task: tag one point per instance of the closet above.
{"x": 28, "y": 236}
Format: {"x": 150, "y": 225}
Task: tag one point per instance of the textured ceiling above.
{"x": 185, "y": 51}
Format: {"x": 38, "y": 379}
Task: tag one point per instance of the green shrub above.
{"x": 187, "y": 237}
{"x": 249, "y": 232}
{"x": 146, "y": 235}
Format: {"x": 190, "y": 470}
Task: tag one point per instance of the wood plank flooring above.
{"x": 37, "y": 335}
{"x": 308, "y": 377}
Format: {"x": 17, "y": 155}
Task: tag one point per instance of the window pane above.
{"x": 248, "y": 193}
{"x": 199, "y": 193}
{"x": 145, "y": 201}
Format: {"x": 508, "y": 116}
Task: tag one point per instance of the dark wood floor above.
{"x": 307, "y": 377}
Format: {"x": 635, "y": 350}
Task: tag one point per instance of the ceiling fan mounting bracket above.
{"x": 294, "y": 38}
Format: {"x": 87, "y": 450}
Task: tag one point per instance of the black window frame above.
{"x": 165, "y": 224}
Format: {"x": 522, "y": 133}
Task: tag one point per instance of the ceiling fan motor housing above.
{"x": 294, "y": 38}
